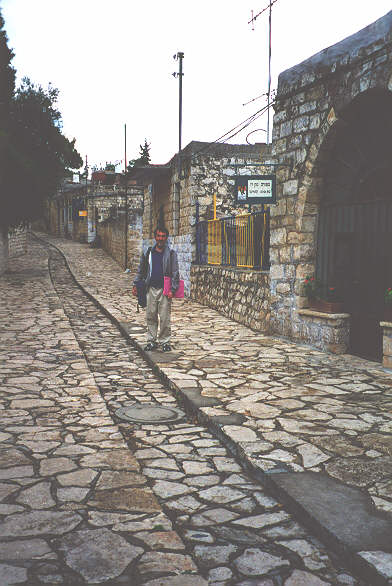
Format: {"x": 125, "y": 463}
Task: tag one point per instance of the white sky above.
{"x": 113, "y": 63}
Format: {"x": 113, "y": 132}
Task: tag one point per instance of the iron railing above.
{"x": 236, "y": 241}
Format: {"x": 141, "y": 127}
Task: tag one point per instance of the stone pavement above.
{"x": 281, "y": 407}
{"x": 292, "y": 410}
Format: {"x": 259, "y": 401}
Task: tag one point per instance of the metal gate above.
{"x": 355, "y": 256}
{"x": 354, "y": 252}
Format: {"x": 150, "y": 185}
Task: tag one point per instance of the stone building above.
{"x": 178, "y": 193}
{"x": 107, "y": 214}
{"x": 333, "y": 215}
{"x": 333, "y": 219}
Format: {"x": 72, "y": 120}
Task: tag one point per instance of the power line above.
{"x": 256, "y": 98}
{"x": 244, "y": 124}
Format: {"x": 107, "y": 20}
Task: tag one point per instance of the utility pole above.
{"x": 86, "y": 171}
{"x": 126, "y": 199}
{"x": 180, "y": 57}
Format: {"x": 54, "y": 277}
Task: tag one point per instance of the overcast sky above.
{"x": 113, "y": 63}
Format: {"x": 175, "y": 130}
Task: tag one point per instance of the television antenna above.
{"x": 252, "y": 21}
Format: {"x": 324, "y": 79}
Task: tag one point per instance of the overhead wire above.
{"x": 260, "y": 112}
{"x": 244, "y": 124}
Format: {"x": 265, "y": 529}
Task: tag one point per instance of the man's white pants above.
{"x": 158, "y": 305}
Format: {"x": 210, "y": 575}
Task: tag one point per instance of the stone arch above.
{"x": 311, "y": 185}
{"x": 347, "y": 192}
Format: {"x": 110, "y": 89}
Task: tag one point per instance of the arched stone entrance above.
{"x": 331, "y": 140}
{"x": 354, "y": 245}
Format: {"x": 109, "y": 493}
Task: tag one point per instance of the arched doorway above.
{"x": 354, "y": 252}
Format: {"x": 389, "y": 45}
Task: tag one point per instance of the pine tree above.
{"x": 144, "y": 158}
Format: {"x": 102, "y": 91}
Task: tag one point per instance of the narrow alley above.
{"x": 89, "y": 498}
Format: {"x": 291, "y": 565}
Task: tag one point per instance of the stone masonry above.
{"x": 309, "y": 101}
{"x": 173, "y": 191}
{"x": 17, "y": 242}
{"x": 240, "y": 294}
{"x": 105, "y": 220}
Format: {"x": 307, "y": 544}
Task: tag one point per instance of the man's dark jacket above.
{"x": 169, "y": 266}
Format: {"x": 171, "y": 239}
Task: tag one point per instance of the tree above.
{"x": 7, "y": 88}
{"x": 144, "y": 158}
{"x": 37, "y": 154}
{"x": 34, "y": 154}
{"x": 7, "y": 73}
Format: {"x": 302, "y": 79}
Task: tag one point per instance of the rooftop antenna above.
{"x": 252, "y": 21}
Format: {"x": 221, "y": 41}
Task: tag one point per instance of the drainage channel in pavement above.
{"x": 234, "y": 531}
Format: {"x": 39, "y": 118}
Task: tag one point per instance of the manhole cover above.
{"x": 150, "y": 414}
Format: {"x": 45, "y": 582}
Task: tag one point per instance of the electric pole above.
{"x": 126, "y": 199}
{"x": 180, "y": 57}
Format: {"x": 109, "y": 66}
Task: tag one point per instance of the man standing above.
{"x": 158, "y": 262}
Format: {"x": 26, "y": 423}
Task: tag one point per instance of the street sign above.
{"x": 83, "y": 213}
{"x": 254, "y": 189}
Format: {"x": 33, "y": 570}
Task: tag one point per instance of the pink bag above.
{"x": 179, "y": 294}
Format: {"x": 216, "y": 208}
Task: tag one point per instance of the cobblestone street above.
{"x": 89, "y": 498}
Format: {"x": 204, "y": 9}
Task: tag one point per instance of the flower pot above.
{"x": 326, "y": 306}
{"x": 388, "y": 312}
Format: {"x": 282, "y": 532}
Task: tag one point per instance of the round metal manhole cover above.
{"x": 150, "y": 414}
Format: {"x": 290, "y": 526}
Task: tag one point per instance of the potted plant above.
{"x": 388, "y": 304}
{"x": 331, "y": 300}
{"x": 312, "y": 288}
{"x": 324, "y": 298}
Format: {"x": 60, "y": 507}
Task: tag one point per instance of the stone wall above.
{"x": 183, "y": 246}
{"x": 106, "y": 213}
{"x": 12, "y": 244}
{"x": 3, "y": 251}
{"x": 108, "y": 222}
{"x": 80, "y": 229}
{"x": 174, "y": 190}
{"x": 111, "y": 233}
{"x": 240, "y": 294}
{"x": 212, "y": 172}
{"x": 309, "y": 104}
{"x": 17, "y": 242}
{"x": 328, "y": 331}
{"x": 387, "y": 343}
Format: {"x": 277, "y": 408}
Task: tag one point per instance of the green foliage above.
{"x": 7, "y": 72}
{"x": 144, "y": 158}
{"x": 315, "y": 289}
{"x": 312, "y": 287}
{"x": 388, "y": 296}
{"x": 34, "y": 153}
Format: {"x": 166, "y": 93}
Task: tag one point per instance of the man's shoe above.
{"x": 150, "y": 346}
{"x": 166, "y": 348}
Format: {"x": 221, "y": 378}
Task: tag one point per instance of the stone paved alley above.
{"x": 89, "y": 498}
